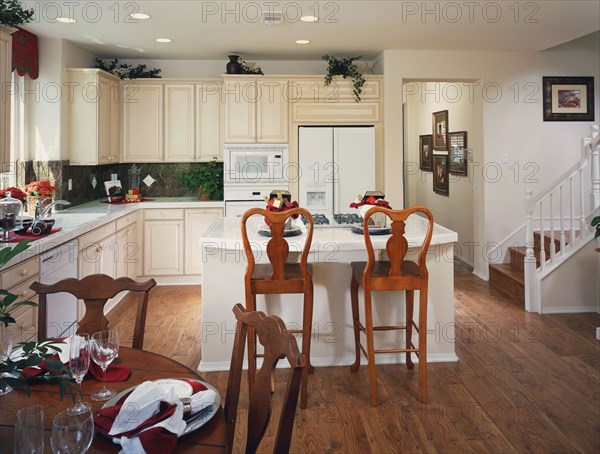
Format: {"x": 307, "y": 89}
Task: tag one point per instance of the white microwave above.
{"x": 256, "y": 163}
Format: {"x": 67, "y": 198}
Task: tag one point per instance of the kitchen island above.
{"x": 332, "y": 251}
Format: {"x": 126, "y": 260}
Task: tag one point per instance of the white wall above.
{"x": 46, "y": 98}
{"x": 511, "y": 121}
{"x": 454, "y": 211}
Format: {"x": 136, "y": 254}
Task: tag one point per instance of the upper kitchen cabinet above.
{"x": 93, "y": 107}
{"x": 172, "y": 120}
{"x": 256, "y": 110}
{"x": 5, "y": 74}
{"x": 143, "y": 121}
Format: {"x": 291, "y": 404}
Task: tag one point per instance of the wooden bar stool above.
{"x": 394, "y": 274}
{"x": 279, "y": 277}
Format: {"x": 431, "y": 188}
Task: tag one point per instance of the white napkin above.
{"x": 144, "y": 402}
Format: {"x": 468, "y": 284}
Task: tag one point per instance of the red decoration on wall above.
{"x": 25, "y": 56}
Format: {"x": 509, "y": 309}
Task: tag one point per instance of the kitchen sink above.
{"x": 75, "y": 219}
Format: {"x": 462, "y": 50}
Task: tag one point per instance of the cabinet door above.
{"x": 196, "y": 223}
{"x": 104, "y": 121}
{"x": 114, "y": 124}
{"x": 128, "y": 252}
{"x": 240, "y": 111}
{"x": 163, "y": 248}
{"x": 179, "y": 123}
{"x": 209, "y": 122}
{"x": 142, "y": 122}
{"x": 272, "y": 112}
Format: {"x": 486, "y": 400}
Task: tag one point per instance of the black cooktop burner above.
{"x": 318, "y": 219}
{"x": 347, "y": 218}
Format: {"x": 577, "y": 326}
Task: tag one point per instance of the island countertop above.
{"x": 332, "y": 251}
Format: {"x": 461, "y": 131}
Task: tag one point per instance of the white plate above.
{"x": 196, "y": 421}
{"x": 182, "y": 389}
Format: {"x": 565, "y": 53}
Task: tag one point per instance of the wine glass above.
{"x": 5, "y": 349}
{"x": 79, "y": 363}
{"x": 29, "y": 430}
{"x": 105, "y": 347}
{"x": 72, "y": 434}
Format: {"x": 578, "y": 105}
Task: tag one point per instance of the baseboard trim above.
{"x": 218, "y": 366}
{"x": 570, "y": 310}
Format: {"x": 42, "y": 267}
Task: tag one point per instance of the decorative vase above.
{"x": 234, "y": 66}
{"x": 32, "y": 200}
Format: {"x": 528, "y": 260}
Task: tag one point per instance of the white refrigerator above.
{"x": 335, "y": 165}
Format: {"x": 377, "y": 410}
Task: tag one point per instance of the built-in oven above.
{"x": 239, "y": 199}
{"x": 252, "y": 164}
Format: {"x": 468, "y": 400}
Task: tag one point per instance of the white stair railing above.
{"x": 575, "y": 195}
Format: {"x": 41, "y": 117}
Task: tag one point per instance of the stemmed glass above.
{"x": 79, "y": 363}
{"x": 29, "y": 430}
{"x": 72, "y": 434}
{"x": 105, "y": 347}
{"x": 5, "y": 349}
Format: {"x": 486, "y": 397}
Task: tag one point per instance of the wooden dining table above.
{"x": 144, "y": 365}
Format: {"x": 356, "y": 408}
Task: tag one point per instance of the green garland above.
{"x": 12, "y": 13}
{"x": 125, "y": 71}
{"x": 345, "y": 68}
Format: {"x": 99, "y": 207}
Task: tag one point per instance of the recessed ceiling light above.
{"x": 163, "y": 40}
{"x": 302, "y": 41}
{"x": 65, "y": 20}
{"x": 140, "y": 16}
{"x": 309, "y": 18}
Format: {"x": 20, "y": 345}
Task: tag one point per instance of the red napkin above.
{"x": 40, "y": 369}
{"x": 196, "y": 386}
{"x": 30, "y": 236}
{"x": 113, "y": 372}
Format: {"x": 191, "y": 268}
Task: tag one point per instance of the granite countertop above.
{"x": 225, "y": 233}
{"x": 81, "y": 219}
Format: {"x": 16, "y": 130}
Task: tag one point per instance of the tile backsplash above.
{"x": 165, "y": 178}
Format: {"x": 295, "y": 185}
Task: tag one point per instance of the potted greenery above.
{"x": 206, "y": 179}
{"x": 345, "y": 68}
{"x": 596, "y": 223}
{"x": 12, "y": 13}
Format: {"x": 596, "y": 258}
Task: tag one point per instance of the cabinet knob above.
{"x": 24, "y": 272}
{"x": 24, "y": 293}
{"x": 98, "y": 248}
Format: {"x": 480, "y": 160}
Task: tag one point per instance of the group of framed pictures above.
{"x": 443, "y": 153}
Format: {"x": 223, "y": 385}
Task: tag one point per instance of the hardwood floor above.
{"x": 523, "y": 383}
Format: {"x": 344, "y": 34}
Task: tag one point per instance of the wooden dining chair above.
{"x": 95, "y": 290}
{"x": 278, "y": 344}
{"x": 397, "y": 273}
{"x": 279, "y": 277}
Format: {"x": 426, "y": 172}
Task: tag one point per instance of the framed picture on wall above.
{"x": 440, "y": 130}
{"x": 440, "y": 174}
{"x": 568, "y": 98}
{"x": 458, "y": 152}
{"x": 425, "y": 152}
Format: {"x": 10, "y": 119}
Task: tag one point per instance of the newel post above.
{"x": 530, "y": 265}
{"x": 595, "y": 163}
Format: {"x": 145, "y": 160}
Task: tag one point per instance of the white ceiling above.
{"x": 210, "y": 30}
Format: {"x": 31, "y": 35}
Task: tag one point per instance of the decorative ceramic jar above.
{"x": 234, "y": 66}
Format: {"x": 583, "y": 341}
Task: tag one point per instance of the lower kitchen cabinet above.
{"x": 17, "y": 280}
{"x": 128, "y": 249}
{"x": 196, "y": 223}
{"x": 163, "y": 242}
{"x": 172, "y": 240}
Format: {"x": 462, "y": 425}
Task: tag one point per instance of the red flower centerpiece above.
{"x": 37, "y": 191}
{"x": 281, "y": 201}
{"x": 370, "y": 199}
{"x": 14, "y": 192}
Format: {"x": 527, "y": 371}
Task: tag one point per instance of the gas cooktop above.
{"x": 335, "y": 220}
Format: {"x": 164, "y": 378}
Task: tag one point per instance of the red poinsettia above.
{"x": 14, "y": 192}
{"x": 39, "y": 188}
{"x": 370, "y": 201}
{"x": 279, "y": 205}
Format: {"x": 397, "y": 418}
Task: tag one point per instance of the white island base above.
{"x": 332, "y": 251}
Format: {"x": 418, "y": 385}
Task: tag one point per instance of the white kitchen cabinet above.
{"x": 209, "y": 121}
{"x": 179, "y": 122}
{"x": 163, "y": 242}
{"x": 98, "y": 251}
{"x": 93, "y": 118}
{"x": 128, "y": 250}
{"x": 5, "y": 104}
{"x": 196, "y": 223}
{"x": 17, "y": 280}
{"x": 256, "y": 111}
{"x": 143, "y": 122}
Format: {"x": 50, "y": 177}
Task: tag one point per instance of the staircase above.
{"x": 509, "y": 277}
{"x": 557, "y": 227}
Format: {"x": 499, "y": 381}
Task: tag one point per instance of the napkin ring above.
{"x": 187, "y": 405}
